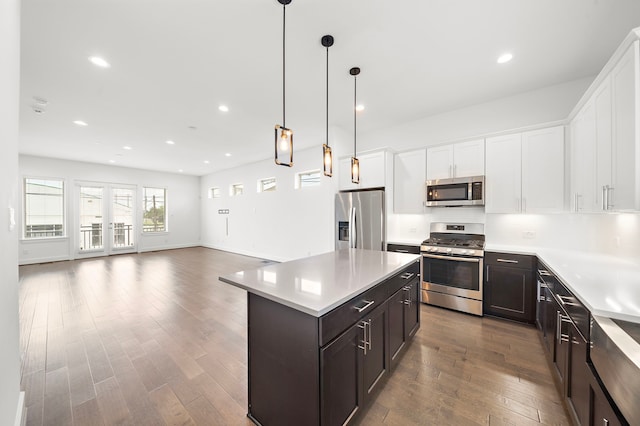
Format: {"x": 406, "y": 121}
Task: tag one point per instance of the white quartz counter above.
{"x": 316, "y": 285}
{"x": 608, "y": 286}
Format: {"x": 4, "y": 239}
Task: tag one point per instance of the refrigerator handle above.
{"x": 353, "y": 241}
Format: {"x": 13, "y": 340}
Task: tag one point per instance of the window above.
{"x": 236, "y": 189}
{"x": 43, "y": 208}
{"x": 305, "y": 179}
{"x": 154, "y": 218}
{"x": 268, "y": 184}
{"x": 214, "y": 192}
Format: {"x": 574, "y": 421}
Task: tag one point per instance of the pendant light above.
{"x": 284, "y": 136}
{"x": 355, "y": 163}
{"x": 327, "y": 155}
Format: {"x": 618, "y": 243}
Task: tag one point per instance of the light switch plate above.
{"x": 12, "y": 218}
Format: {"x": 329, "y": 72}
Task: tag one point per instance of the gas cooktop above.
{"x": 455, "y": 239}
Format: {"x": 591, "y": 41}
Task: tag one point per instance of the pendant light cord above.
{"x": 327, "y": 105}
{"x": 355, "y": 91}
{"x": 284, "y": 120}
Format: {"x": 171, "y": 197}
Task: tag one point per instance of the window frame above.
{"x": 211, "y": 193}
{"x": 233, "y": 187}
{"x": 261, "y": 184}
{"x": 64, "y": 235}
{"x": 166, "y": 209}
{"x": 299, "y": 180}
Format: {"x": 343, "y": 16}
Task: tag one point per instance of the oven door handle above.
{"x": 461, "y": 259}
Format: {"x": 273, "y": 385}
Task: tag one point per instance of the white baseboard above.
{"x": 171, "y": 247}
{"x": 246, "y": 252}
{"x": 43, "y": 260}
{"x": 21, "y": 419}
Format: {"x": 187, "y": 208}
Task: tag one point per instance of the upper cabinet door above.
{"x": 409, "y": 172}
{"x": 372, "y": 171}
{"x": 440, "y": 162}
{"x": 604, "y": 139}
{"x": 468, "y": 158}
{"x": 625, "y": 85}
{"x": 503, "y": 174}
{"x": 543, "y": 170}
{"x": 583, "y": 160}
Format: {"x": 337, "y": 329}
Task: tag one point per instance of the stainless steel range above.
{"x": 452, "y": 265}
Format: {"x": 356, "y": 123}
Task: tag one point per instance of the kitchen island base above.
{"x": 309, "y": 370}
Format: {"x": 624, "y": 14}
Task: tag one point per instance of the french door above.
{"x": 106, "y": 219}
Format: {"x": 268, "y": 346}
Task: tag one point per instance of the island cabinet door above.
{"x": 341, "y": 382}
{"x": 376, "y": 357}
{"x": 396, "y": 324}
{"x": 412, "y": 308}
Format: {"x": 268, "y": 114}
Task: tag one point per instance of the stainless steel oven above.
{"x": 452, "y": 267}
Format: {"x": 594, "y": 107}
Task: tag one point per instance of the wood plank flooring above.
{"x": 156, "y": 339}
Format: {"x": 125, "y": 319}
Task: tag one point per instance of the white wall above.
{"x": 282, "y": 225}
{"x": 183, "y": 206}
{"x": 545, "y": 105}
{"x": 11, "y": 400}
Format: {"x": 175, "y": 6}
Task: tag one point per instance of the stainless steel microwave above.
{"x": 454, "y": 192}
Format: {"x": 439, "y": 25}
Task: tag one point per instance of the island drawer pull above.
{"x": 407, "y": 275}
{"x": 507, "y": 261}
{"x": 366, "y": 305}
{"x": 401, "y": 251}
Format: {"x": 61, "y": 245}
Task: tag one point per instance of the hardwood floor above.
{"x": 155, "y": 338}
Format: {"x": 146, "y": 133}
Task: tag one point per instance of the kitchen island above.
{"x": 325, "y": 331}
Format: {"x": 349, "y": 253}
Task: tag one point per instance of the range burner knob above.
{"x": 449, "y": 250}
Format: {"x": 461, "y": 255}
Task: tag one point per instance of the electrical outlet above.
{"x": 529, "y": 235}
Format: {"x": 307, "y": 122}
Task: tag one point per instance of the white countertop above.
{"x": 315, "y": 285}
{"x": 608, "y": 286}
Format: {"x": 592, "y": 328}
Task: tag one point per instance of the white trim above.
{"x": 21, "y": 419}
{"x": 247, "y": 253}
{"x": 171, "y": 247}
{"x": 44, "y": 260}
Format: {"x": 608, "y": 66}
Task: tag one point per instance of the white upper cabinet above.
{"x": 624, "y": 193}
{"x": 543, "y": 170}
{"x": 503, "y": 177}
{"x": 372, "y": 171}
{"x": 525, "y": 172}
{"x": 605, "y": 142}
{"x": 409, "y": 172}
{"x": 456, "y": 160}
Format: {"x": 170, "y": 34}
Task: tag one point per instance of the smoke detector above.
{"x": 39, "y": 105}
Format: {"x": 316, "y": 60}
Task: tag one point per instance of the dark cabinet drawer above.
{"x": 344, "y": 316}
{"x": 511, "y": 260}
{"x": 403, "y": 248}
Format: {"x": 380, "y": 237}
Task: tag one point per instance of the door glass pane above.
{"x": 91, "y": 218}
{"x": 122, "y": 217}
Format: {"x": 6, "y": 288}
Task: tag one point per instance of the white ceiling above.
{"x": 173, "y": 62}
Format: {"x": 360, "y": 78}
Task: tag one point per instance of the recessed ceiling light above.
{"x": 223, "y": 108}
{"x": 112, "y": 161}
{"x": 128, "y": 148}
{"x": 99, "y": 62}
{"x": 504, "y": 58}
{"x": 171, "y": 142}
{"x": 80, "y": 123}
{"x": 180, "y": 170}
{"x": 360, "y": 107}
{"x": 206, "y": 161}
{"x": 228, "y": 154}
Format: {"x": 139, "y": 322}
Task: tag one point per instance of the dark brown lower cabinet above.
{"x": 305, "y": 370}
{"x": 577, "y": 378}
{"x": 602, "y": 412}
{"x": 510, "y": 286}
{"x": 404, "y": 318}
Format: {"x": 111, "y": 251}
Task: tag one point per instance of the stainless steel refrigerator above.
{"x": 360, "y": 220}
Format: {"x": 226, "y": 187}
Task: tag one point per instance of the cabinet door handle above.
{"x": 366, "y": 305}
{"x": 605, "y": 422}
{"x": 369, "y": 334}
{"x": 401, "y": 251}
{"x": 363, "y": 326}
{"x": 407, "y": 275}
{"x": 507, "y": 261}
{"x": 604, "y": 197}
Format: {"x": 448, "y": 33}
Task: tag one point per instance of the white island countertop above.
{"x": 608, "y": 286}
{"x": 315, "y": 285}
